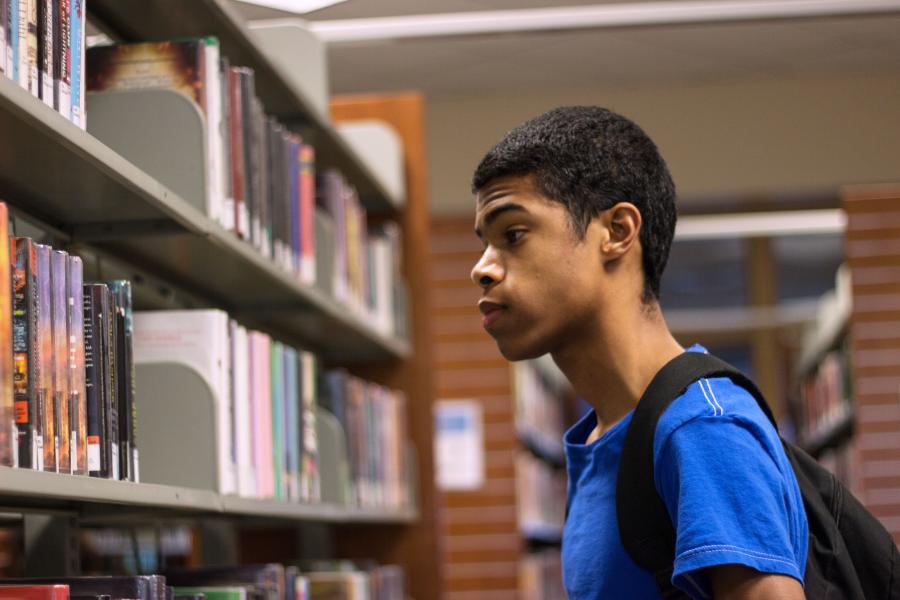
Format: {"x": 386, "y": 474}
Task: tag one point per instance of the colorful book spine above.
{"x": 75, "y": 91}
{"x": 278, "y": 419}
{"x": 12, "y": 40}
{"x": 77, "y": 392}
{"x": 291, "y": 423}
{"x": 8, "y": 428}
{"x": 309, "y": 468}
{"x": 237, "y": 153}
{"x": 45, "y": 340}
{"x": 98, "y": 455}
{"x": 4, "y": 35}
{"x": 45, "y": 50}
{"x": 307, "y": 214}
{"x": 63, "y": 59}
{"x": 26, "y": 352}
{"x": 59, "y": 307}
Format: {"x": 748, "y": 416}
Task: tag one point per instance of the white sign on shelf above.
{"x": 458, "y": 445}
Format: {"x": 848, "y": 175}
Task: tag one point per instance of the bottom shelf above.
{"x": 34, "y": 491}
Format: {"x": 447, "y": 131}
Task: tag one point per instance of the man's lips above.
{"x": 491, "y": 311}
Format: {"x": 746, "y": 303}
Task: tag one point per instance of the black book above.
{"x": 111, "y": 376}
{"x": 96, "y": 382}
{"x": 121, "y": 290}
{"x": 252, "y": 208}
{"x": 26, "y": 355}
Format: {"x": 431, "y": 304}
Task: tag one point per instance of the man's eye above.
{"x": 514, "y": 235}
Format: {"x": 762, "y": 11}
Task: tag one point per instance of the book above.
{"x": 214, "y": 593}
{"x": 307, "y": 188}
{"x": 243, "y": 410}
{"x": 4, "y": 36}
{"x": 28, "y": 44}
{"x": 63, "y": 63}
{"x": 276, "y": 364}
{"x": 339, "y": 585}
{"x": 59, "y": 261}
{"x": 76, "y": 370}
{"x": 260, "y": 394}
{"x": 310, "y": 482}
{"x": 46, "y": 41}
{"x": 140, "y": 587}
{"x": 269, "y": 578}
{"x": 292, "y": 426}
{"x": 99, "y": 435}
{"x": 77, "y": 48}
{"x": 26, "y": 351}
{"x": 111, "y": 360}
{"x": 238, "y": 152}
{"x": 12, "y": 40}
{"x": 128, "y": 453}
{"x": 8, "y": 428}
{"x": 197, "y": 339}
{"x": 46, "y": 394}
{"x": 181, "y": 66}
{"x": 34, "y": 592}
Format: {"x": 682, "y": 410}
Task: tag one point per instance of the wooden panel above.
{"x": 481, "y": 541}
{"x": 872, "y": 249}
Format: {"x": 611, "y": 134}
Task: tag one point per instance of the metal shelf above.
{"x": 142, "y": 20}
{"x": 94, "y": 498}
{"x": 92, "y": 195}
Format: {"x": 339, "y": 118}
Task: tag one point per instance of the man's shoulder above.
{"x": 711, "y": 400}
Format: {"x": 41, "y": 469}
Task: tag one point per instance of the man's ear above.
{"x": 623, "y": 226}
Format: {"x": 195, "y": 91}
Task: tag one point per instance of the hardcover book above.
{"x": 8, "y": 429}
{"x": 26, "y": 351}
{"x": 77, "y": 48}
{"x": 59, "y": 261}
{"x": 34, "y": 592}
{"x": 62, "y": 60}
{"x": 77, "y": 373}
{"x": 128, "y": 453}
{"x": 98, "y": 434}
{"x": 47, "y": 392}
{"x": 45, "y": 50}
{"x": 28, "y": 42}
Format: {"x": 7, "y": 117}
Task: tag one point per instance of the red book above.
{"x": 34, "y": 592}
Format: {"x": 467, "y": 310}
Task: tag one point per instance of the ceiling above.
{"x": 521, "y": 62}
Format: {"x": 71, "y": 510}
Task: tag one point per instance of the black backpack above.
{"x": 851, "y": 555}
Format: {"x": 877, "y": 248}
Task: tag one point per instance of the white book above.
{"x": 197, "y": 339}
{"x": 246, "y": 471}
{"x": 215, "y": 200}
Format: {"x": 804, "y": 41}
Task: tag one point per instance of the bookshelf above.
{"x": 93, "y": 198}
{"x": 133, "y": 20}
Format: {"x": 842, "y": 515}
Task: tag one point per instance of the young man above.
{"x": 576, "y": 210}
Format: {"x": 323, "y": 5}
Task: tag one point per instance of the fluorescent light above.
{"x": 590, "y": 17}
{"x": 763, "y": 224}
{"x": 295, "y": 6}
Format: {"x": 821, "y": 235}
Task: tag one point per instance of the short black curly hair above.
{"x": 590, "y": 158}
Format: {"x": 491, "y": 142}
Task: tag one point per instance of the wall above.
{"x": 749, "y": 138}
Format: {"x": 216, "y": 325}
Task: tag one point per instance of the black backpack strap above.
{"x": 645, "y": 528}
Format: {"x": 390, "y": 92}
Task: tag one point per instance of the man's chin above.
{"x": 514, "y": 352}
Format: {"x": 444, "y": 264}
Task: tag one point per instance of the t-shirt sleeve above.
{"x": 728, "y": 499}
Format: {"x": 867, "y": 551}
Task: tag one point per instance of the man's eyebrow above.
{"x": 494, "y": 213}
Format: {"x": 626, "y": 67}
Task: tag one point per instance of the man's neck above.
{"x": 611, "y": 366}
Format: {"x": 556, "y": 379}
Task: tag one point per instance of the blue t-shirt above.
{"x": 723, "y": 475}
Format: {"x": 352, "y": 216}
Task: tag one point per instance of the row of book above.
{"x": 825, "y": 396}
{"x": 539, "y": 409}
{"x": 66, "y": 372}
{"x": 374, "y": 420}
{"x": 264, "y": 393}
{"x": 540, "y": 576}
{"x": 321, "y": 581}
{"x": 42, "y": 45}
{"x": 541, "y": 493}
{"x": 262, "y": 182}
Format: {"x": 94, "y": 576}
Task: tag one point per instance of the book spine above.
{"x": 12, "y": 39}
{"x": 97, "y": 459}
{"x": 225, "y": 136}
{"x": 214, "y": 141}
{"x": 73, "y": 91}
{"x": 110, "y": 327}
{"x": 45, "y": 339}
{"x": 58, "y": 263}
{"x": 26, "y": 355}
{"x": 238, "y": 152}
{"x": 275, "y": 364}
{"x": 46, "y": 44}
{"x": 307, "y": 214}
{"x": 22, "y": 43}
{"x": 31, "y": 49}
{"x": 77, "y": 392}
{"x": 246, "y": 120}
{"x": 63, "y": 58}
{"x": 8, "y": 428}
{"x": 126, "y": 464}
